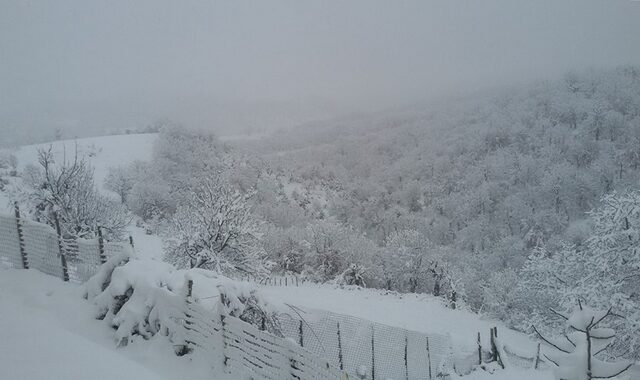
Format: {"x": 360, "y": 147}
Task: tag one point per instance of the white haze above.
{"x": 239, "y": 66}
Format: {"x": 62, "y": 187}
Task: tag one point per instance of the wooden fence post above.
{"x": 340, "y": 349}
{"x": 63, "y": 256}
{"x": 494, "y": 347}
{"x": 186, "y": 349}
{"x": 537, "y": 358}
{"x": 406, "y": 356}
{"x": 23, "y": 253}
{"x": 300, "y": 335}
{"x": 224, "y": 340}
{"x": 373, "y": 353}
{"x": 479, "y": 350}
{"x": 429, "y": 359}
{"x": 103, "y": 257}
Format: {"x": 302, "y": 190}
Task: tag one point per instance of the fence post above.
{"x": 373, "y": 353}
{"x": 300, "y": 335}
{"x": 537, "y": 358}
{"x": 479, "y": 350}
{"x": 63, "y": 256}
{"x": 23, "y": 253}
{"x": 103, "y": 257}
{"x": 429, "y": 359}
{"x": 223, "y": 331}
{"x": 406, "y": 356}
{"x": 494, "y": 347}
{"x": 340, "y": 349}
{"x": 131, "y": 242}
{"x": 185, "y": 348}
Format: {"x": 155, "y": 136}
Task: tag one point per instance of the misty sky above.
{"x": 238, "y": 64}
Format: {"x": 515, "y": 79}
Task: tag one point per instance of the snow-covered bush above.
{"x": 150, "y": 196}
{"x": 148, "y": 297}
{"x": 214, "y": 229}
{"x": 576, "y": 355}
{"x": 354, "y": 275}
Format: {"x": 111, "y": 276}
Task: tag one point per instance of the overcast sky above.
{"x": 97, "y": 64}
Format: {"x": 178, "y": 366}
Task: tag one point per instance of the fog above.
{"x": 240, "y": 66}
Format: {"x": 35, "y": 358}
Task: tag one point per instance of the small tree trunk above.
{"x": 63, "y": 256}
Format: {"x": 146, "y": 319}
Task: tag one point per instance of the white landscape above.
{"x": 320, "y": 190}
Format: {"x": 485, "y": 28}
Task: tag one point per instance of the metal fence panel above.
{"x": 396, "y": 352}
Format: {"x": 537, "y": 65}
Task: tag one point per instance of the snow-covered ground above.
{"x": 417, "y": 312}
{"x": 47, "y": 332}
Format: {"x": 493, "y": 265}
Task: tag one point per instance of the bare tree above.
{"x": 120, "y": 180}
{"x": 67, "y": 189}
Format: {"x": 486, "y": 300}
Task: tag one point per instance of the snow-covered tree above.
{"x": 66, "y": 189}
{"x": 214, "y": 229}
{"x": 577, "y": 354}
{"x": 604, "y": 272}
{"x": 120, "y": 181}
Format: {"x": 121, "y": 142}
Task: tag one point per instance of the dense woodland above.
{"x": 507, "y": 202}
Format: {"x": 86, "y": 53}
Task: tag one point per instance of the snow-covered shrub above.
{"x": 148, "y": 297}
{"x": 150, "y": 195}
{"x": 354, "y": 275}
{"x": 576, "y": 355}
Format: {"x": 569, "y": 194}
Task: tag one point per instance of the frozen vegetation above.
{"x": 502, "y": 206}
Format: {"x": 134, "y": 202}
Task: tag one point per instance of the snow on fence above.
{"x": 240, "y": 348}
{"x": 28, "y": 244}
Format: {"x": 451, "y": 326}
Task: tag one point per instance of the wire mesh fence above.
{"x": 244, "y": 350}
{"x": 28, "y": 244}
{"x": 374, "y": 350}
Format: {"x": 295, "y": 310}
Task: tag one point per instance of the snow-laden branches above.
{"x": 67, "y": 188}
{"x": 214, "y": 229}
{"x": 576, "y": 353}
